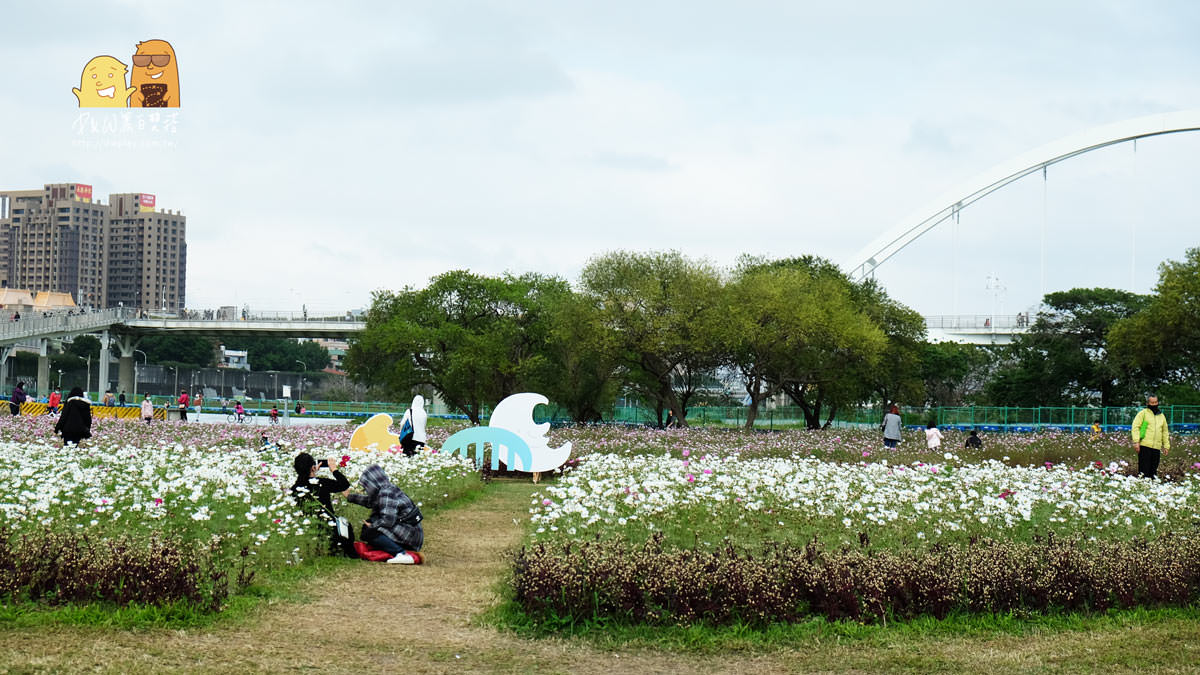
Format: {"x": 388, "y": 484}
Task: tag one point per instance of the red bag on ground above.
{"x": 366, "y": 552}
{"x": 373, "y": 554}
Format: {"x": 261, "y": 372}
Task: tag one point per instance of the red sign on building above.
{"x": 146, "y": 202}
{"x": 83, "y": 192}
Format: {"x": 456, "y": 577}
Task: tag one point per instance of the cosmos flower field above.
{"x": 679, "y": 526}
{"x": 704, "y": 525}
{"x": 192, "y": 511}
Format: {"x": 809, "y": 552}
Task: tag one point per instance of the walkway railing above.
{"x": 979, "y": 322}
{"x": 60, "y": 323}
{"x": 43, "y": 324}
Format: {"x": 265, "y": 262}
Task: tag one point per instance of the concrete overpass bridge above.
{"x": 121, "y": 328}
{"x": 976, "y": 329}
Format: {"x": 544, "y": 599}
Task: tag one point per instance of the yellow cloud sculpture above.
{"x": 374, "y": 435}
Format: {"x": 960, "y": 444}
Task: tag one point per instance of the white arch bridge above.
{"x": 946, "y": 207}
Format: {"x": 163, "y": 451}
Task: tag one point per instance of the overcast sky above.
{"x": 323, "y": 151}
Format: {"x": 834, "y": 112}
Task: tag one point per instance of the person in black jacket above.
{"x": 314, "y": 494}
{"x": 309, "y": 485}
{"x": 75, "y": 422}
{"x": 974, "y": 441}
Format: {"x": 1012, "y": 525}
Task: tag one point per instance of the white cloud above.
{"x": 327, "y": 152}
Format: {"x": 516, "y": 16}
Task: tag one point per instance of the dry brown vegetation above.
{"x": 380, "y": 618}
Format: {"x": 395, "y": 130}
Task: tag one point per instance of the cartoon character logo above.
{"x": 102, "y": 84}
{"x": 155, "y": 76}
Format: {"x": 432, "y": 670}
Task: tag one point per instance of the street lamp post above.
{"x": 176, "y": 369}
{"x": 60, "y": 378}
{"x": 305, "y": 367}
{"x": 145, "y": 360}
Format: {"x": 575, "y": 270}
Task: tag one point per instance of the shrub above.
{"x": 56, "y": 568}
{"x": 572, "y": 583}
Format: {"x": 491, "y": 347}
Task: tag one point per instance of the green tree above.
{"x": 473, "y": 339}
{"x": 832, "y": 351}
{"x": 84, "y": 346}
{"x": 662, "y": 313}
{"x": 897, "y": 377}
{"x": 578, "y": 370}
{"x": 953, "y": 373}
{"x": 1063, "y": 359}
{"x": 1161, "y": 344}
{"x": 774, "y": 316}
{"x": 182, "y": 350}
{"x": 277, "y": 353}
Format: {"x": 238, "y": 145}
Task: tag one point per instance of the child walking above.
{"x": 933, "y": 436}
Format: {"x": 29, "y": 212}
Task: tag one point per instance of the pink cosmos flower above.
{"x": 691, "y": 478}
{"x": 546, "y": 502}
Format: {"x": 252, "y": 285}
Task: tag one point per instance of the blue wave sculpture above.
{"x": 498, "y": 438}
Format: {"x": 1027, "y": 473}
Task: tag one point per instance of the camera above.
{"x": 323, "y": 463}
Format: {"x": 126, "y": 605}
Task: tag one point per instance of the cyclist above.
{"x": 274, "y": 414}
{"x": 240, "y": 412}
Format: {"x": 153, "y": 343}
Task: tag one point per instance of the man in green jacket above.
{"x": 1151, "y": 439}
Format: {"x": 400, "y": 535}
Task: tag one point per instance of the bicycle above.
{"x": 245, "y": 418}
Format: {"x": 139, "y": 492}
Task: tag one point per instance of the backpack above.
{"x": 343, "y": 537}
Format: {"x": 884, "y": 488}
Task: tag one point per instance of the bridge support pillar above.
{"x": 102, "y": 384}
{"x": 5, "y": 352}
{"x": 43, "y": 381}
{"x": 126, "y": 374}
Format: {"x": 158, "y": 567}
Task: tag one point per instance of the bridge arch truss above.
{"x": 864, "y": 263}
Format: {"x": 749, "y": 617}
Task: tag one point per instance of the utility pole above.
{"x": 305, "y": 367}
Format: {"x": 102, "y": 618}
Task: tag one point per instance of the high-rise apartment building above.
{"x": 124, "y": 252}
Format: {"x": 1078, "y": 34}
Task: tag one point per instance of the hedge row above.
{"x": 784, "y": 583}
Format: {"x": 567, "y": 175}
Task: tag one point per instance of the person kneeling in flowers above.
{"x": 395, "y": 523}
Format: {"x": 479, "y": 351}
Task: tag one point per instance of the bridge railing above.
{"x": 978, "y": 322}
{"x": 37, "y": 325}
{"x": 257, "y": 315}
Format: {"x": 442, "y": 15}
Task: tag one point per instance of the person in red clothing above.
{"x": 183, "y": 405}
{"x": 53, "y": 401}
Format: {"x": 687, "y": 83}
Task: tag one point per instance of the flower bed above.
{"x": 709, "y": 501}
{"x": 674, "y": 528}
{"x": 213, "y": 495}
{"x": 564, "y": 584}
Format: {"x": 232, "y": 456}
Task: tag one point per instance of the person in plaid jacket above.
{"x": 395, "y": 522}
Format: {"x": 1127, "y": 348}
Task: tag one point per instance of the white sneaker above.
{"x": 402, "y": 559}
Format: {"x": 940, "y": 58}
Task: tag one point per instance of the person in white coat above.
{"x": 933, "y": 436}
{"x": 412, "y": 426}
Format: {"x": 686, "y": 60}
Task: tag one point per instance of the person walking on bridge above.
{"x": 1151, "y": 438}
